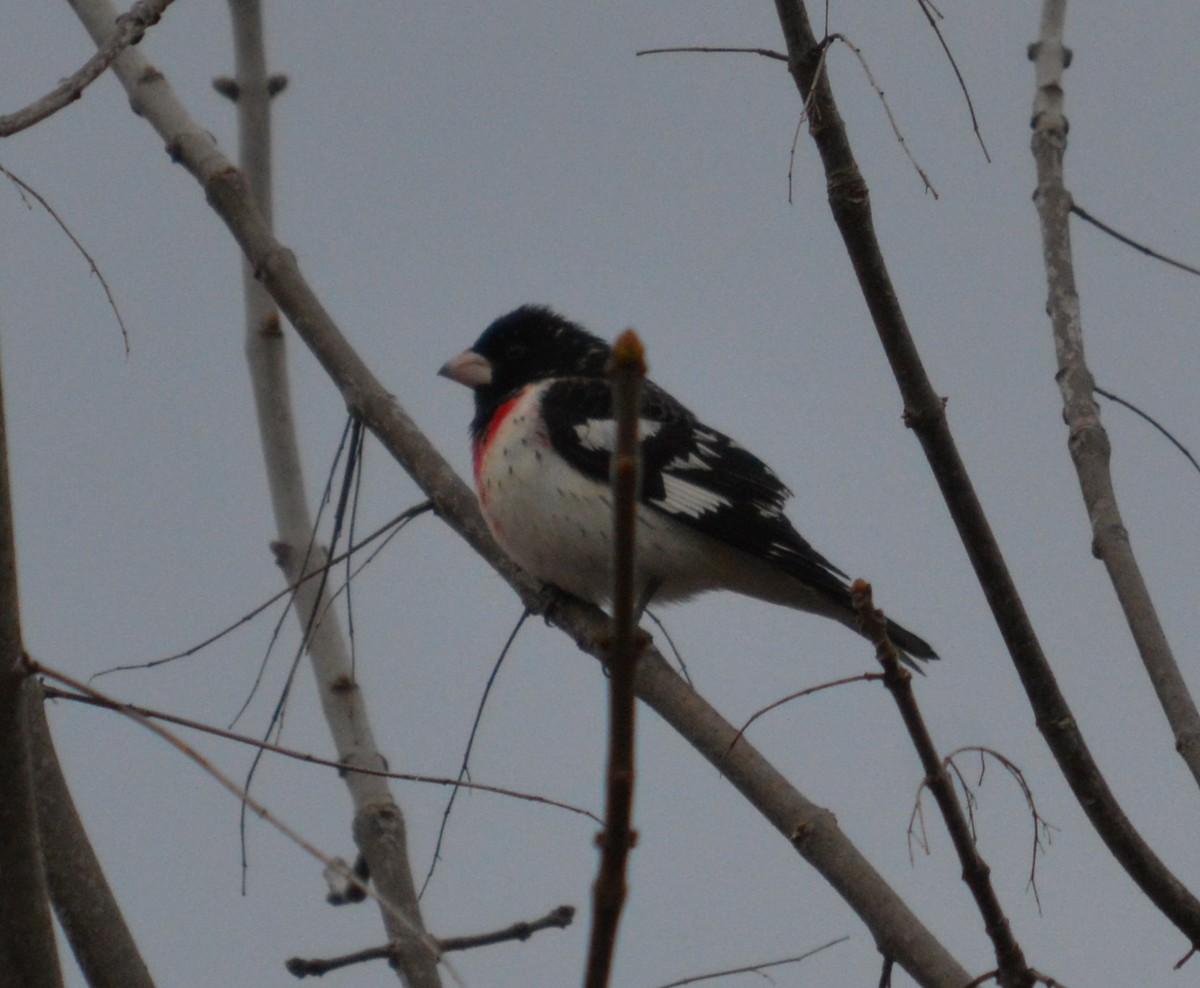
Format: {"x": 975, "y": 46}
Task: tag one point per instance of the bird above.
{"x": 711, "y": 513}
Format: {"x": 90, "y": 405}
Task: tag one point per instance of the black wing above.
{"x": 695, "y": 474}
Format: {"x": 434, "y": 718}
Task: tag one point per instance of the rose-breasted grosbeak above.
{"x": 711, "y": 514}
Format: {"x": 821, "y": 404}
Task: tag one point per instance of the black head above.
{"x": 529, "y": 344}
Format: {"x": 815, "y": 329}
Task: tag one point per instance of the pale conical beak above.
{"x": 469, "y": 368}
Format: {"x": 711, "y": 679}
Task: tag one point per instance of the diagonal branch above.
{"x": 130, "y": 27}
{"x": 1013, "y": 970}
{"x": 849, "y": 202}
{"x": 812, "y": 830}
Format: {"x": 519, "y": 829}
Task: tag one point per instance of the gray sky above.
{"x": 438, "y": 164}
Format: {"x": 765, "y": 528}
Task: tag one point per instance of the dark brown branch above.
{"x": 129, "y": 30}
{"x": 617, "y": 838}
{"x": 849, "y": 201}
{"x": 84, "y": 903}
{"x": 1014, "y": 971}
{"x": 557, "y": 919}
{"x": 28, "y": 954}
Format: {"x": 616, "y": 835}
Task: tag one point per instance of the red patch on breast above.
{"x": 481, "y": 447}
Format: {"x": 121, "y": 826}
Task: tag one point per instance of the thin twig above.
{"x": 864, "y": 677}
{"x": 259, "y": 810}
{"x": 617, "y": 838}
{"x": 129, "y": 29}
{"x": 886, "y": 109}
{"x": 1083, "y": 214}
{"x": 464, "y": 771}
{"x": 1042, "y": 828}
{"x": 112, "y": 302}
{"x": 1154, "y": 422}
{"x": 926, "y": 7}
{"x": 753, "y": 968}
{"x": 805, "y": 114}
{"x": 765, "y": 52}
{"x": 391, "y": 527}
{"x": 557, "y": 919}
{"x": 55, "y": 693}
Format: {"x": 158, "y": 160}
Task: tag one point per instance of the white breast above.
{"x": 557, "y": 523}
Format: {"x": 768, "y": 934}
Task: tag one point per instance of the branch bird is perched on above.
{"x": 712, "y": 513}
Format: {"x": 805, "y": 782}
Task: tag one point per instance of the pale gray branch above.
{"x": 379, "y": 824}
{"x": 1088, "y": 440}
{"x": 130, "y": 28}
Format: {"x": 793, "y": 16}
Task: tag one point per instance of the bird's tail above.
{"x": 911, "y": 646}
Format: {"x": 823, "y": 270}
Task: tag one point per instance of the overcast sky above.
{"x": 438, "y": 164}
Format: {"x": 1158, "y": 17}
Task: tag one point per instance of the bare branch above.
{"x": 886, "y": 109}
{"x": 1041, "y": 826}
{"x": 84, "y": 903}
{"x": 558, "y": 918}
{"x": 1088, "y": 441}
{"x": 1083, "y": 214}
{"x": 812, "y": 830}
{"x": 112, "y": 302}
{"x": 765, "y": 52}
{"x": 753, "y": 968}
{"x": 28, "y": 954}
{"x": 924, "y": 412}
{"x": 418, "y": 937}
{"x": 464, "y": 770}
{"x": 303, "y": 756}
{"x": 130, "y": 27}
{"x": 1014, "y": 971}
{"x": 389, "y": 529}
{"x": 1154, "y": 422}
{"x": 864, "y": 677}
{"x": 617, "y": 839}
{"x": 929, "y": 10}
{"x": 378, "y": 827}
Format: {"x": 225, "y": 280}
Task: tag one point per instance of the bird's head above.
{"x": 532, "y": 343}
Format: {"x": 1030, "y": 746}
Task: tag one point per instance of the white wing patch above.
{"x": 689, "y": 462}
{"x": 601, "y": 434}
{"x": 681, "y": 497}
